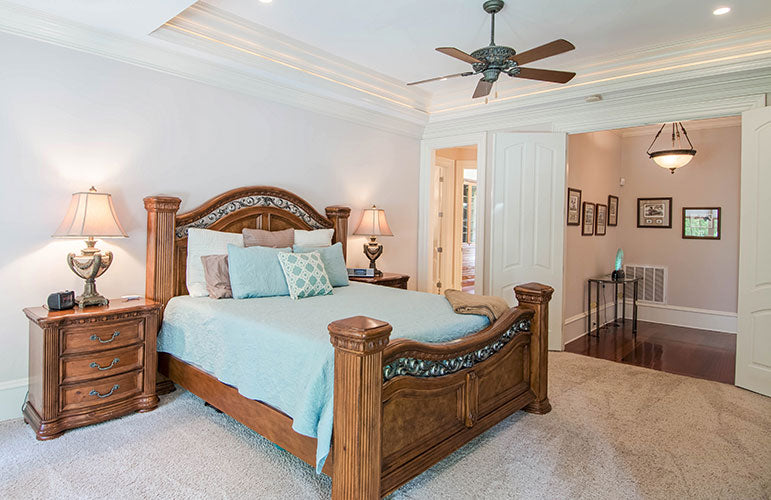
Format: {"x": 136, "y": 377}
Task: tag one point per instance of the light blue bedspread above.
{"x": 277, "y": 350}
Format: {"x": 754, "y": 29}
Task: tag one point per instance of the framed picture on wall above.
{"x": 654, "y": 212}
{"x": 601, "y": 220}
{"x": 701, "y": 223}
{"x": 574, "y": 207}
{"x": 587, "y": 226}
{"x": 612, "y": 210}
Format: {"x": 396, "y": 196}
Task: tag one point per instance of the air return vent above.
{"x": 652, "y": 287}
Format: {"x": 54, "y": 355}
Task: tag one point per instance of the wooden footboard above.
{"x": 402, "y": 406}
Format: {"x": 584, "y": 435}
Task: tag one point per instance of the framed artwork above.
{"x": 574, "y": 207}
{"x": 587, "y": 226}
{"x": 700, "y": 223}
{"x": 601, "y": 220}
{"x": 612, "y": 210}
{"x": 654, "y": 212}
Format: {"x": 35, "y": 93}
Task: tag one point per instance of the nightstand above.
{"x": 90, "y": 365}
{"x": 393, "y": 280}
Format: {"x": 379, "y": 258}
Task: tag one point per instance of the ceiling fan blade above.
{"x": 483, "y": 88}
{"x": 467, "y": 73}
{"x": 458, "y": 54}
{"x": 546, "y": 75}
{"x": 542, "y": 52}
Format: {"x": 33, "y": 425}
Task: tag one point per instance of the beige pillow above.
{"x": 215, "y": 271}
{"x": 272, "y": 239}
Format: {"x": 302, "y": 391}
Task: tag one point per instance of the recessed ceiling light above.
{"x": 721, "y": 10}
{"x": 266, "y": 1}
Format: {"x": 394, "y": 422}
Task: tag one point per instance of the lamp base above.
{"x": 90, "y": 297}
{"x": 90, "y": 264}
{"x": 373, "y": 250}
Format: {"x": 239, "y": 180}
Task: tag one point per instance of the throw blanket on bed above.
{"x": 468, "y": 303}
{"x": 277, "y": 350}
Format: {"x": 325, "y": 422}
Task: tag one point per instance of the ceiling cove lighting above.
{"x": 677, "y": 156}
{"x": 721, "y": 10}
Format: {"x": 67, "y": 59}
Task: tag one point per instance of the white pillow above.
{"x": 315, "y": 238}
{"x": 202, "y": 242}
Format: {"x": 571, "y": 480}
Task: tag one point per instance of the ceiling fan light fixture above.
{"x": 494, "y": 59}
{"x": 677, "y": 156}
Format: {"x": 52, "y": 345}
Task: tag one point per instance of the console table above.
{"x": 601, "y": 281}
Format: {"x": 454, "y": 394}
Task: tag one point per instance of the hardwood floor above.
{"x": 468, "y": 273}
{"x": 674, "y": 349}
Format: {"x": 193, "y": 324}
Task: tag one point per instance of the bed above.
{"x": 397, "y": 405}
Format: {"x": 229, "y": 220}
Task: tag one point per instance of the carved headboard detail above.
{"x": 260, "y": 207}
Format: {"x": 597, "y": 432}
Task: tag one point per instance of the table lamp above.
{"x": 373, "y": 224}
{"x": 91, "y": 215}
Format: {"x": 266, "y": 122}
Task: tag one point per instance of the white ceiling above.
{"x": 398, "y": 37}
{"x": 286, "y": 50}
{"x": 128, "y": 17}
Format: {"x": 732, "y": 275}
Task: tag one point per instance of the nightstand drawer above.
{"x": 99, "y": 392}
{"x": 101, "y": 364}
{"x": 100, "y": 337}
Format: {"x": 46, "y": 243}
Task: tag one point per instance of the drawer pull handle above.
{"x": 94, "y": 393}
{"x": 94, "y": 364}
{"x": 114, "y": 334}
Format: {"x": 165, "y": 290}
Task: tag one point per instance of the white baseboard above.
{"x": 12, "y": 395}
{"x": 575, "y": 326}
{"x": 690, "y": 317}
{"x": 701, "y": 319}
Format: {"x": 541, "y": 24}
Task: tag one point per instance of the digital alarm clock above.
{"x": 59, "y": 301}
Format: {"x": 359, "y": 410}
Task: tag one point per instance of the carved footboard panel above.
{"x": 436, "y": 398}
{"x": 402, "y": 406}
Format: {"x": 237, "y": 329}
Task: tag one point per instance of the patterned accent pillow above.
{"x": 305, "y": 274}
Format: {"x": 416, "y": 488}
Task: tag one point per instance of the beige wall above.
{"x": 594, "y": 161}
{"x": 69, "y": 120}
{"x": 702, "y": 273}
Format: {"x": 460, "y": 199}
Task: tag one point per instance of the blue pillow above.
{"x": 333, "y": 260}
{"x": 256, "y": 272}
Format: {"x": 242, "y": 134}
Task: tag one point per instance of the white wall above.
{"x": 69, "y": 120}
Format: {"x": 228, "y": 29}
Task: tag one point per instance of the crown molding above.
{"x": 220, "y": 33}
{"x": 701, "y": 78}
{"x": 161, "y": 56}
{"x": 706, "y": 57}
{"x": 697, "y": 98}
{"x": 705, "y": 124}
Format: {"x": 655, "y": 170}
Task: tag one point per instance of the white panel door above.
{"x": 528, "y": 207}
{"x": 753, "y": 343}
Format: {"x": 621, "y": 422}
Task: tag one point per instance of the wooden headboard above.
{"x": 258, "y": 207}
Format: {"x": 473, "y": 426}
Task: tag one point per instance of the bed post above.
{"x": 536, "y": 296}
{"x": 358, "y": 382}
{"x": 161, "y": 214}
{"x": 339, "y": 217}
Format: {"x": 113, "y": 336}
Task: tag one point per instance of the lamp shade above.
{"x": 373, "y": 223}
{"x": 90, "y": 215}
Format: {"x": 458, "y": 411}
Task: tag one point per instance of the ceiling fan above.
{"x": 493, "y": 60}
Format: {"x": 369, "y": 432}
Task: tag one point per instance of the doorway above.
{"x": 454, "y": 214}
{"x": 687, "y": 284}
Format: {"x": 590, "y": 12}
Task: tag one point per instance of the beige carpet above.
{"x": 616, "y": 431}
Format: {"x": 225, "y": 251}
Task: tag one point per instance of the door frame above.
{"x": 425, "y": 225}
{"x": 637, "y": 115}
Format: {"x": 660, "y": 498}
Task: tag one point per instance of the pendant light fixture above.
{"x": 676, "y": 157}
